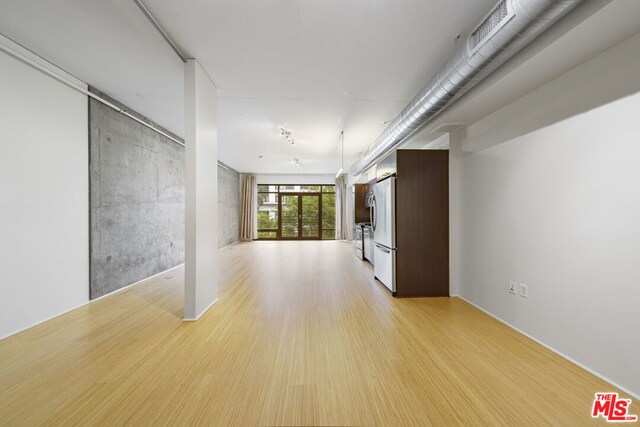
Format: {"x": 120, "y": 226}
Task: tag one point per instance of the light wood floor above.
{"x": 301, "y": 335}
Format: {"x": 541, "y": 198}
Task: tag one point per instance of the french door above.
{"x": 300, "y": 215}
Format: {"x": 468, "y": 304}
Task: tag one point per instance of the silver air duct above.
{"x": 509, "y": 27}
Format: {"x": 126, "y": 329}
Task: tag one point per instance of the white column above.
{"x": 201, "y": 170}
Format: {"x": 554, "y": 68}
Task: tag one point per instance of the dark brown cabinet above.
{"x": 360, "y": 209}
{"x": 422, "y": 223}
{"x": 361, "y": 212}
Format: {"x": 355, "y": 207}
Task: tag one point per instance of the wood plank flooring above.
{"x": 301, "y": 335}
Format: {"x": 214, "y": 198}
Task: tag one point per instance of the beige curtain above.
{"x": 341, "y": 207}
{"x": 248, "y": 208}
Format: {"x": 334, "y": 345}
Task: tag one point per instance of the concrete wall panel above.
{"x": 137, "y": 201}
{"x": 228, "y": 207}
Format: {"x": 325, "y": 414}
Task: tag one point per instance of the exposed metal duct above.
{"x": 509, "y": 27}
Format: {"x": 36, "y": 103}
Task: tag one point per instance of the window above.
{"x": 268, "y": 212}
{"x": 328, "y": 212}
{"x": 292, "y": 212}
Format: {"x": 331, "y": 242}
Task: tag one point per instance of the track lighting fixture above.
{"x": 286, "y": 134}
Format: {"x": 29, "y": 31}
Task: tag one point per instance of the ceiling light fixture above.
{"x": 296, "y": 161}
{"x": 286, "y": 134}
{"x": 341, "y": 171}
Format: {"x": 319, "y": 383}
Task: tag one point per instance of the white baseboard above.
{"x": 40, "y": 322}
{"x": 229, "y": 245}
{"x": 89, "y": 301}
{"x": 190, "y": 319}
{"x": 559, "y": 353}
{"x": 136, "y": 283}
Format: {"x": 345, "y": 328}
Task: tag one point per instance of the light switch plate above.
{"x": 524, "y": 290}
{"x": 512, "y": 287}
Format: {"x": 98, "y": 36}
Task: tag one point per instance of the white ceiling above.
{"x": 315, "y": 67}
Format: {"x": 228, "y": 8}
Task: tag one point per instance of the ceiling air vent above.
{"x": 520, "y": 21}
{"x": 497, "y": 18}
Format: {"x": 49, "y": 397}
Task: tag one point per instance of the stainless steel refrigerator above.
{"x": 383, "y": 220}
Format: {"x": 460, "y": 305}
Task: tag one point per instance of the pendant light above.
{"x": 341, "y": 171}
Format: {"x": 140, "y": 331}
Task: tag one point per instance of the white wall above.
{"x": 201, "y": 188}
{"x": 296, "y": 179}
{"x": 546, "y": 192}
{"x": 44, "y": 226}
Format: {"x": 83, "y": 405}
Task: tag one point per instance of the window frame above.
{"x": 281, "y": 191}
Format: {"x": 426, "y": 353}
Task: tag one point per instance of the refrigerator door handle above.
{"x": 374, "y": 213}
{"x": 383, "y": 249}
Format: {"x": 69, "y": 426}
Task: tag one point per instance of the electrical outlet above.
{"x": 512, "y": 287}
{"x": 524, "y": 290}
